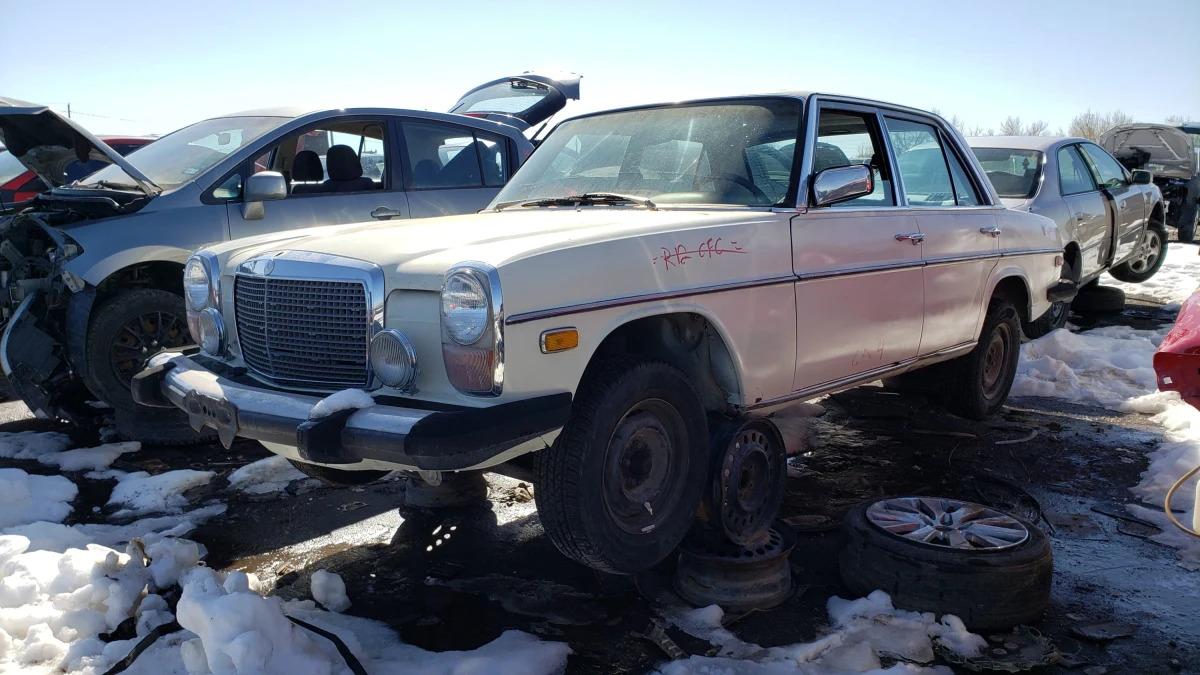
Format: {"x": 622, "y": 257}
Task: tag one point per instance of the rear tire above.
{"x": 620, "y": 487}
{"x": 975, "y": 386}
{"x": 1096, "y": 299}
{"x": 1152, "y": 252}
{"x": 1189, "y": 218}
{"x": 1054, "y": 318}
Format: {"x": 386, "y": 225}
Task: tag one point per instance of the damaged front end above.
{"x": 44, "y": 310}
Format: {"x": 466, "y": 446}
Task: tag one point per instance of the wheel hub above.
{"x": 947, "y": 523}
{"x": 995, "y": 358}
{"x": 644, "y": 465}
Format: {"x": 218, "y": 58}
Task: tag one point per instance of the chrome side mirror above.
{"x": 265, "y": 186}
{"x": 842, "y": 183}
{"x": 1142, "y": 177}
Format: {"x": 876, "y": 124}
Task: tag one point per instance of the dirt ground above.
{"x": 455, "y": 579}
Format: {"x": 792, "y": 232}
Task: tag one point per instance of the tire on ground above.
{"x": 1097, "y": 299}
{"x": 587, "y": 515}
{"x": 988, "y": 590}
{"x": 1189, "y": 217}
{"x": 976, "y": 384}
{"x": 1129, "y": 271}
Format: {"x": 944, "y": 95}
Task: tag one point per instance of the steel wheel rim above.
{"x": 643, "y": 463}
{"x": 750, "y": 484}
{"x": 142, "y": 337}
{"x": 1150, "y": 250}
{"x": 995, "y": 358}
{"x": 947, "y": 523}
{"x": 1057, "y": 312}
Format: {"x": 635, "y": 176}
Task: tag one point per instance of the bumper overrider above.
{"x": 445, "y": 439}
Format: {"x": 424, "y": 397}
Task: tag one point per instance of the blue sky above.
{"x": 137, "y": 67}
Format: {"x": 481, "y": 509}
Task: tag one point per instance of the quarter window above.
{"x": 848, "y": 138}
{"x": 442, "y": 156}
{"x": 1073, "y": 176}
{"x": 1108, "y": 170}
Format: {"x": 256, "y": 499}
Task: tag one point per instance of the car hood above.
{"x": 416, "y": 254}
{"x": 46, "y": 143}
{"x": 1160, "y": 149}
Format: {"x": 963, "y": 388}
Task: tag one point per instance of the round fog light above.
{"x": 211, "y": 330}
{"x": 393, "y": 359}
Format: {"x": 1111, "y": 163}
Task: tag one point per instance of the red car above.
{"x": 18, "y": 185}
{"x": 1177, "y": 361}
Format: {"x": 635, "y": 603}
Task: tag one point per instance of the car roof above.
{"x": 299, "y": 113}
{"x": 798, "y": 95}
{"x": 1042, "y": 143}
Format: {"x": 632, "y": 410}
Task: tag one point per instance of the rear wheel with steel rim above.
{"x": 991, "y": 569}
{"x": 1149, "y": 257}
{"x": 976, "y": 385}
{"x": 619, "y": 488}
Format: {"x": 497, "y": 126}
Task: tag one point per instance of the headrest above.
{"x": 342, "y": 163}
{"x": 307, "y": 167}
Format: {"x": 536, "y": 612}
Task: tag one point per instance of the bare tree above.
{"x": 1179, "y": 119}
{"x": 1011, "y": 126}
{"x": 1091, "y": 125}
{"x": 1037, "y": 128}
{"x": 976, "y": 131}
{"x": 954, "y": 120}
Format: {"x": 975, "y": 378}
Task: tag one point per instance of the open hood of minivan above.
{"x": 46, "y": 143}
{"x": 522, "y": 100}
{"x": 1158, "y": 148}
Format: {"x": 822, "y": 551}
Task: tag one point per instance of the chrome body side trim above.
{"x": 861, "y": 378}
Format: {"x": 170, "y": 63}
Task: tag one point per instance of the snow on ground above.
{"x": 861, "y": 631}
{"x": 89, "y": 459}
{"x": 141, "y": 493}
{"x": 1173, "y": 283}
{"x": 1113, "y": 367}
{"x": 347, "y": 399}
{"x": 265, "y": 476}
{"x": 26, "y": 499}
{"x": 329, "y": 590}
{"x": 31, "y": 444}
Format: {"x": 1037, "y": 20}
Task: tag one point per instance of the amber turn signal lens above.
{"x": 559, "y": 340}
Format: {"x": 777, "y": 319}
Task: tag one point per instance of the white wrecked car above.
{"x": 648, "y": 274}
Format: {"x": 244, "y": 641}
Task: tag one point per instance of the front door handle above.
{"x": 915, "y": 238}
{"x": 383, "y": 213}
{"x": 990, "y": 231}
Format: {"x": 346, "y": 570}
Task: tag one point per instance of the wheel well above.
{"x": 687, "y": 341}
{"x": 1072, "y": 256}
{"x": 161, "y": 274}
{"x": 1014, "y": 290}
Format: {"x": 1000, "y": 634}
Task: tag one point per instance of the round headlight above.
{"x": 393, "y": 359}
{"x": 212, "y": 331}
{"x": 464, "y": 308}
{"x": 196, "y": 284}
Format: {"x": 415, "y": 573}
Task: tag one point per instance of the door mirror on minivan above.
{"x": 264, "y": 186}
{"x": 1142, "y": 177}
{"x": 841, "y": 184}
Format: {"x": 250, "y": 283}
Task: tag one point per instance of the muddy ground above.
{"x": 496, "y": 570}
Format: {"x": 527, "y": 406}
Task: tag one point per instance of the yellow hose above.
{"x": 1167, "y": 502}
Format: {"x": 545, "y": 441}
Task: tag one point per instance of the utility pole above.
{"x": 68, "y": 111}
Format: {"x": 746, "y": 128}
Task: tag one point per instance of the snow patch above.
{"x": 347, "y": 399}
{"x": 90, "y": 459}
{"x": 140, "y": 493}
{"x": 26, "y": 498}
{"x": 32, "y": 444}
{"x": 265, "y": 476}
{"x": 329, "y": 590}
{"x": 861, "y": 631}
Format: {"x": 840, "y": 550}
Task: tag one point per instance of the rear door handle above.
{"x": 915, "y": 238}
{"x": 383, "y": 213}
{"x": 990, "y": 231}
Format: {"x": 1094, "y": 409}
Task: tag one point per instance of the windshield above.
{"x": 179, "y": 157}
{"x": 1014, "y": 173}
{"x": 10, "y": 167}
{"x": 737, "y": 153}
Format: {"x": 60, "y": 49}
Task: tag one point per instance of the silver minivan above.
{"x": 91, "y": 271}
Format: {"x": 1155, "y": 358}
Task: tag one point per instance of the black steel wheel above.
{"x": 749, "y": 482}
{"x": 125, "y": 332}
{"x": 976, "y": 385}
{"x": 620, "y": 486}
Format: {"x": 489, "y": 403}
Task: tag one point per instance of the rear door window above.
{"x": 921, "y": 162}
{"x": 449, "y": 156}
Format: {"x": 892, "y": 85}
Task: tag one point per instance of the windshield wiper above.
{"x": 107, "y": 184}
{"x": 585, "y": 199}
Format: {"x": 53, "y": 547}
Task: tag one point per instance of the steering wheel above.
{"x": 736, "y": 180}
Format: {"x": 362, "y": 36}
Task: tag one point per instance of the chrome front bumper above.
{"x": 402, "y": 437}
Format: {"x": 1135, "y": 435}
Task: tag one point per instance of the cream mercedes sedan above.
{"x": 649, "y": 276}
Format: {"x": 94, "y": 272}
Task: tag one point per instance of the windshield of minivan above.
{"x": 1014, "y": 173}
{"x": 731, "y": 152}
{"x": 177, "y": 158}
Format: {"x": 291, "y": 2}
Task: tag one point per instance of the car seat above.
{"x": 345, "y": 171}
{"x": 307, "y": 173}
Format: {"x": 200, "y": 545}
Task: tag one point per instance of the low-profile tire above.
{"x": 339, "y": 477}
{"x": 1096, "y": 299}
{"x": 121, "y": 328}
{"x": 1149, "y": 258}
{"x": 1054, "y": 318}
{"x": 159, "y": 426}
{"x": 988, "y": 589}
{"x": 619, "y": 488}
{"x": 976, "y": 384}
